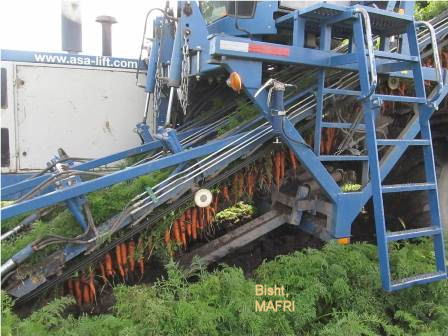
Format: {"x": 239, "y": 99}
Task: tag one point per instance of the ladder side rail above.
{"x": 375, "y": 178}
{"x": 425, "y": 130}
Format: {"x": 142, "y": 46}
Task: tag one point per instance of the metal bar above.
{"x": 241, "y": 236}
{"x": 235, "y": 47}
{"x": 395, "y": 56}
{"x": 342, "y": 92}
{"x": 343, "y": 158}
{"x": 307, "y": 157}
{"x": 113, "y": 178}
{"x": 394, "y": 188}
{"x": 26, "y": 185}
{"x": 417, "y": 280}
{"x": 327, "y": 124}
{"x": 398, "y": 142}
{"x": 415, "y": 233}
{"x": 402, "y": 99}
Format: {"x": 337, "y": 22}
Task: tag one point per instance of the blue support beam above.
{"x": 234, "y": 47}
{"x": 113, "y": 178}
{"x": 10, "y": 191}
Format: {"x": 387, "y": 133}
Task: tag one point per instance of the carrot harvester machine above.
{"x": 292, "y": 61}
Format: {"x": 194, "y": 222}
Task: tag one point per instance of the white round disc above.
{"x": 203, "y": 198}
{"x": 393, "y": 83}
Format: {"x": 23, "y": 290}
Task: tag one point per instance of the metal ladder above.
{"x": 371, "y": 104}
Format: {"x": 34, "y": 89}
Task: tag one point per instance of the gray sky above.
{"x": 36, "y": 25}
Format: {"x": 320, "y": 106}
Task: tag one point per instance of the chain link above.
{"x": 158, "y": 85}
{"x": 183, "y": 94}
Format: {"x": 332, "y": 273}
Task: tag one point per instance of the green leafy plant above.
{"x": 337, "y": 291}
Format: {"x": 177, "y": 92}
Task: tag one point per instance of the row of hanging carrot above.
{"x": 193, "y": 224}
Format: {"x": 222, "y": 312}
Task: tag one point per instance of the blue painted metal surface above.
{"x": 113, "y": 178}
{"x": 245, "y": 56}
{"x": 346, "y": 205}
{"x": 10, "y": 192}
{"x": 144, "y": 133}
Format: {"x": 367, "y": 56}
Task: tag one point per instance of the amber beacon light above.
{"x": 234, "y": 81}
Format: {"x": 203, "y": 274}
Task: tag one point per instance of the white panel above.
{"x": 87, "y": 112}
{"x": 234, "y": 45}
{"x": 8, "y": 116}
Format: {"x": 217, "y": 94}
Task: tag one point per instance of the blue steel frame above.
{"x": 238, "y": 58}
{"x": 249, "y": 65}
{"x": 350, "y": 204}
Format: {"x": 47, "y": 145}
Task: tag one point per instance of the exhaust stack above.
{"x": 106, "y": 25}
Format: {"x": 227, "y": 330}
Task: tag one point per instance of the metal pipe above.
{"x": 23, "y": 224}
{"x": 368, "y": 32}
{"x": 145, "y": 112}
{"x": 7, "y": 267}
{"x": 437, "y": 64}
{"x": 106, "y": 26}
{"x": 170, "y": 105}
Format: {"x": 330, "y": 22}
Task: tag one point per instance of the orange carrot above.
{"x": 194, "y": 223}
{"x": 283, "y": 165}
{"x": 108, "y": 263}
{"x": 131, "y": 249}
{"x": 187, "y": 215}
{"x": 124, "y": 257}
{"x": 103, "y": 273}
{"x": 182, "y": 230}
{"x": 119, "y": 260}
{"x": 201, "y": 218}
{"x": 225, "y": 192}
{"x": 277, "y": 163}
{"x": 293, "y": 159}
{"x": 167, "y": 236}
{"x": 216, "y": 202}
{"x": 188, "y": 227}
{"x": 176, "y": 231}
{"x": 250, "y": 184}
{"x": 141, "y": 264}
{"x": 209, "y": 214}
{"x": 92, "y": 286}
{"x": 86, "y": 294}
{"x": 78, "y": 293}
{"x": 141, "y": 260}
{"x": 322, "y": 141}
{"x": 240, "y": 185}
{"x": 330, "y": 133}
{"x": 70, "y": 286}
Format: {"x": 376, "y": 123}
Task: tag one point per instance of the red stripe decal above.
{"x": 264, "y": 49}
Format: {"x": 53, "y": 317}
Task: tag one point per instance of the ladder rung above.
{"x": 414, "y": 233}
{"x": 342, "y": 92}
{"x": 403, "y": 99}
{"x": 407, "y": 187}
{"x": 418, "y": 279}
{"x": 343, "y": 157}
{"x": 411, "y": 142}
{"x": 326, "y": 124}
{"x": 396, "y": 56}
